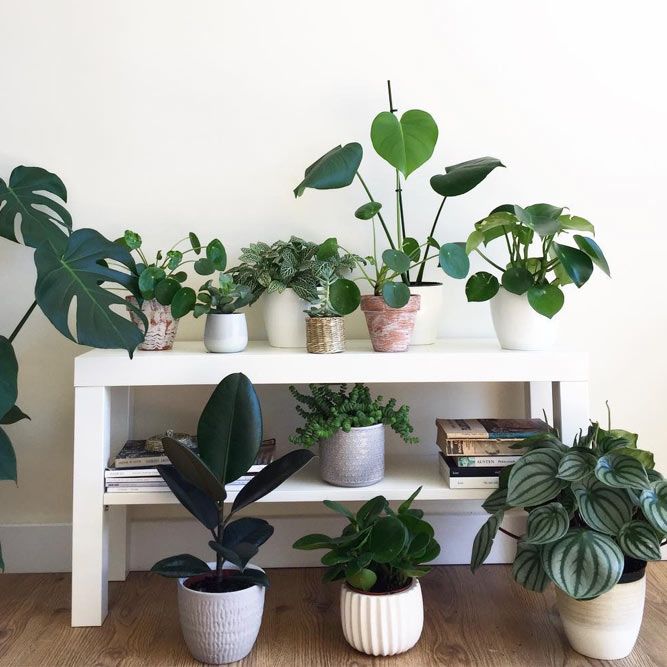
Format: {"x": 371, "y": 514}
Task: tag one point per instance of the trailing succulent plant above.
{"x": 222, "y": 299}
{"x": 379, "y": 550}
{"x": 592, "y": 508}
{"x": 326, "y": 411}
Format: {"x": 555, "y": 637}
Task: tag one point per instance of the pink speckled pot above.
{"x": 390, "y": 328}
{"x": 162, "y": 326}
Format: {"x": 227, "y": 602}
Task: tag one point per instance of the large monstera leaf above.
{"x": 38, "y": 217}
{"x": 75, "y": 269}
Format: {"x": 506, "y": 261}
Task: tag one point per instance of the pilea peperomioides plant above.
{"x": 591, "y": 507}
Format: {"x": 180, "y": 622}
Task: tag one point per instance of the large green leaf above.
{"x": 592, "y": 249}
{"x": 602, "y": 507}
{"x": 183, "y": 565}
{"x": 463, "y": 177}
{"x": 577, "y": 464}
{"x": 313, "y": 541}
{"x": 371, "y": 510}
{"x": 406, "y": 143}
{"x": 481, "y": 546}
{"x": 13, "y": 415}
{"x": 482, "y": 286}
{"x": 74, "y": 271}
{"x": 395, "y": 294}
{"x": 534, "y": 478}
{"x": 574, "y": 222}
{"x": 653, "y": 502}
{"x": 621, "y": 471}
{"x": 577, "y": 264}
{"x": 335, "y": 169}
{"x": 396, "y": 260}
{"x": 453, "y": 260}
{"x": 7, "y": 458}
{"x": 345, "y": 296}
{"x": 39, "y": 218}
{"x": 517, "y": 279}
{"x": 547, "y": 524}
{"x": 229, "y": 432}
{"x": 543, "y": 218}
{"x": 615, "y": 439}
{"x": 644, "y": 457}
{"x": 246, "y": 530}
{"x": 547, "y": 300}
{"x": 527, "y": 568}
{"x": 387, "y": 539}
{"x": 9, "y": 370}
{"x": 639, "y": 540}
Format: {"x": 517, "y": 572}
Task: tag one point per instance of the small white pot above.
{"x": 382, "y": 624}
{"x": 285, "y": 319}
{"x": 607, "y": 627}
{"x": 518, "y": 326}
{"x": 220, "y": 627}
{"x": 226, "y": 332}
{"x": 429, "y": 313}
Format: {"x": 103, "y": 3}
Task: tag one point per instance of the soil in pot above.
{"x": 210, "y": 583}
{"x": 384, "y": 586}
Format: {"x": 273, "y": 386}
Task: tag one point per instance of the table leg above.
{"x": 540, "y": 401}
{"x": 571, "y": 409}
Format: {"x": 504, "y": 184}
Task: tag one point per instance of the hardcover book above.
{"x": 466, "y": 482}
{"x": 479, "y": 447}
{"x": 489, "y": 429}
{"x": 485, "y": 461}
{"x": 467, "y": 471}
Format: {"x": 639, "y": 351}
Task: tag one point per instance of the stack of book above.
{"x": 473, "y": 452}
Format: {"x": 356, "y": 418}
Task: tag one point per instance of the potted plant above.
{"x": 225, "y": 330}
{"x": 529, "y": 292}
{"x": 163, "y": 298}
{"x": 349, "y": 427}
{"x": 380, "y": 555}
{"x": 596, "y": 513}
{"x": 220, "y": 607}
{"x": 406, "y": 143}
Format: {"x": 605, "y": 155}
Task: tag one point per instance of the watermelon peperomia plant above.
{"x": 590, "y": 507}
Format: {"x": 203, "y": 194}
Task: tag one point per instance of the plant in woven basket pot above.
{"x": 349, "y": 426}
{"x": 163, "y": 299}
{"x": 379, "y": 556}
{"x": 597, "y": 511}
{"x": 220, "y": 605}
{"x": 529, "y": 292}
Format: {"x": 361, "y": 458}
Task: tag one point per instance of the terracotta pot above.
{"x": 390, "y": 328}
{"x": 162, "y": 326}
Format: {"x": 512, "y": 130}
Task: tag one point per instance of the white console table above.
{"x": 556, "y": 381}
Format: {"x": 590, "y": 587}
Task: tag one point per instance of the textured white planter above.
{"x": 285, "y": 319}
{"x": 220, "y": 627}
{"x": 382, "y": 624}
{"x": 518, "y": 326}
{"x": 162, "y": 326}
{"x": 429, "y": 313}
{"x": 607, "y": 627}
{"x": 226, "y": 333}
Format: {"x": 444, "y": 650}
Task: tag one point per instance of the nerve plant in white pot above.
{"x": 220, "y": 606}
{"x": 380, "y": 556}
{"x": 597, "y": 512}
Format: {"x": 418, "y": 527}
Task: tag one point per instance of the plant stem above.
{"x": 24, "y": 319}
{"x": 481, "y": 254}
{"x": 507, "y": 532}
{"x": 420, "y": 275}
{"x": 379, "y": 215}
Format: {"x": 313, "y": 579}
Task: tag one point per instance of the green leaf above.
{"x": 183, "y": 565}
{"x": 204, "y": 266}
{"x": 543, "y": 218}
{"x": 340, "y": 509}
{"x": 482, "y": 286}
{"x": 252, "y": 576}
{"x": 181, "y": 276}
{"x": 576, "y": 223}
{"x": 395, "y": 295}
{"x": 463, "y": 177}
{"x": 533, "y": 479}
{"x": 345, "y": 296}
{"x": 183, "y": 302}
{"x": 639, "y": 540}
{"x": 148, "y": 278}
{"x": 496, "y": 501}
{"x": 584, "y": 563}
{"x": 328, "y": 249}
{"x": 527, "y": 568}
{"x": 131, "y": 239}
{"x": 577, "y": 464}
{"x": 334, "y": 558}
{"x": 475, "y": 239}
{"x": 166, "y": 289}
{"x": 453, "y": 260}
{"x": 547, "y": 523}
{"x": 547, "y": 300}
{"x": 227, "y": 553}
{"x": 175, "y": 259}
{"x": 387, "y": 539}
{"x": 247, "y": 531}
{"x": 517, "y": 280}
{"x": 653, "y": 503}
{"x": 481, "y": 547}
{"x": 13, "y": 415}
{"x": 602, "y": 507}
{"x": 9, "y": 370}
{"x": 363, "y": 580}
{"x": 368, "y": 210}
{"x": 621, "y": 471}
{"x": 216, "y": 254}
{"x": 411, "y": 248}
{"x": 406, "y": 504}
{"x": 312, "y": 542}
{"x": 577, "y": 264}
{"x": 406, "y": 143}
{"x": 335, "y": 169}
{"x": 644, "y": 457}
{"x": 195, "y": 243}
{"x": 7, "y": 458}
{"x": 615, "y": 439}
{"x": 371, "y": 510}
{"x": 396, "y": 260}
{"x": 592, "y": 249}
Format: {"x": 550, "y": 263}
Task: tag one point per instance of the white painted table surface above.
{"x": 556, "y": 381}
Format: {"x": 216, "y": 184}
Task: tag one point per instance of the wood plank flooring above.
{"x": 483, "y": 620}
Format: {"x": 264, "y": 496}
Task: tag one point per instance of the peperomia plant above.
{"x": 591, "y": 507}
{"x": 538, "y": 275}
{"x": 224, "y": 298}
{"x": 380, "y": 550}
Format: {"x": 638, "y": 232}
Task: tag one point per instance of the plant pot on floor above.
{"x": 162, "y": 326}
{"x": 226, "y": 332}
{"x": 325, "y": 335}
{"x": 428, "y": 316}
{"x": 355, "y": 458}
{"x": 389, "y": 328}
{"x": 284, "y": 319}
{"x": 518, "y": 326}
{"x": 382, "y": 623}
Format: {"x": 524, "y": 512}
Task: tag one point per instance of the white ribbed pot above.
{"x": 284, "y": 319}
{"x": 429, "y": 314}
{"x": 220, "y": 627}
{"x": 607, "y": 627}
{"x": 226, "y": 332}
{"x": 382, "y": 624}
{"x": 518, "y": 326}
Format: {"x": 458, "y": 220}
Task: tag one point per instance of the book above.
{"x": 479, "y": 447}
{"x": 466, "y": 482}
{"x": 485, "y": 461}
{"x": 489, "y": 429}
{"x": 467, "y": 471}
{"x": 132, "y": 485}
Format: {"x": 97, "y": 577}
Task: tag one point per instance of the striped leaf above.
{"x": 481, "y": 547}
{"x": 639, "y": 540}
{"x": 602, "y": 507}
{"x": 577, "y": 464}
{"x": 653, "y": 476}
{"x": 584, "y": 563}
{"x": 621, "y": 471}
{"x": 533, "y": 479}
{"x": 615, "y": 439}
{"x": 547, "y": 524}
{"x": 496, "y": 501}
{"x": 653, "y": 502}
{"x": 527, "y": 569}
{"x": 645, "y": 457}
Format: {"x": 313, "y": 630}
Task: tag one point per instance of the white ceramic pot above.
{"x": 220, "y": 627}
{"x": 518, "y": 326}
{"x": 382, "y": 624}
{"x": 226, "y": 332}
{"x": 607, "y": 627}
{"x": 429, "y": 313}
{"x": 285, "y": 319}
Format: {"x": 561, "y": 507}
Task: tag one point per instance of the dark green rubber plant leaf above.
{"x": 183, "y": 565}
{"x": 453, "y": 260}
{"x": 9, "y": 370}
{"x": 75, "y": 270}
{"x": 622, "y": 471}
{"x": 547, "y": 524}
{"x": 653, "y": 502}
{"x": 602, "y": 507}
{"x": 527, "y": 568}
{"x": 7, "y": 458}
{"x": 247, "y": 530}
{"x": 639, "y": 540}
{"x": 534, "y": 478}
{"x": 577, "y": 264}
{"x": 547, "y": 300}
{"x": 482, "y": 286}
{"x": 335, "y": 169}
{"x": 481, "y": 546}
{"x": 463, "y": 177}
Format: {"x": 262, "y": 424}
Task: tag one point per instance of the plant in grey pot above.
{"x": 597, "y": 511}
{"x": 221, "y": 607}
{"x": 349, "y": 427}
{"x": 380, "y": 556}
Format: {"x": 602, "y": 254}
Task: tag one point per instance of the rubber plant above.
{"x": 591, "y": 508}
{"x": 406, "y": 143}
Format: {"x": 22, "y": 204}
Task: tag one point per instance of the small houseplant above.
{"x": 529, "y": 292}
{"x": 221, "y": 608}
{"x": 596, "y": 513}
{"x": 350, "y": 428}
{"x": 380, "y": 555}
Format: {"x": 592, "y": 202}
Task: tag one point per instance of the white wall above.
{"x": 166, "y": 116}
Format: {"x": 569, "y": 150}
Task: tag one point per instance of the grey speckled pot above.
{"x": 355, "y": 458}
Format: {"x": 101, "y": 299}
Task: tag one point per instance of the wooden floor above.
{"x": 481, "y": 620}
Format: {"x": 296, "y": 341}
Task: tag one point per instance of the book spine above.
{"x": 131, "y": 472}
{"x": 141, "y": 461}
{"x": 479, "y": 447}
{"x": 473, "y": 483}
{"x": 485, "y": 461}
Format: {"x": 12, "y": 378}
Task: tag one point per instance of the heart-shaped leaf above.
{"x": 621, "y": 471}
{"x": 328, "y": 249}
{"x": 411, "y": 248}
{"x": 517, "y": 279}
{"x": 481, "y": 546}
{"x": 217, "y": 255}
{"x": 653, "y": 502}
{"x": 345, "y": 296}
{"x": 534, "y": 478}
{"x": 368, "y": 210}
{"x": 166, "y": 289}
{"x": 547, "y": 300}
{"x": 482, "y": 286}
{"x": 602, "y": 507}
{"x": 395, "y": 294}
{"x": 527, "y": 568}
{"x": 183, "y": 565}
{"x": 396, "y": 260}
{"x": 577, "y": 464}
{"x": 592, "y": 249}
{"x": 639, "y": 540}
{"x": 577, "y": 264}
{"x": 463, "y": 177}
{"x": 335, "y": 169}
{"x": 453, "y": 260}
{"x": 547, "y": 524}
